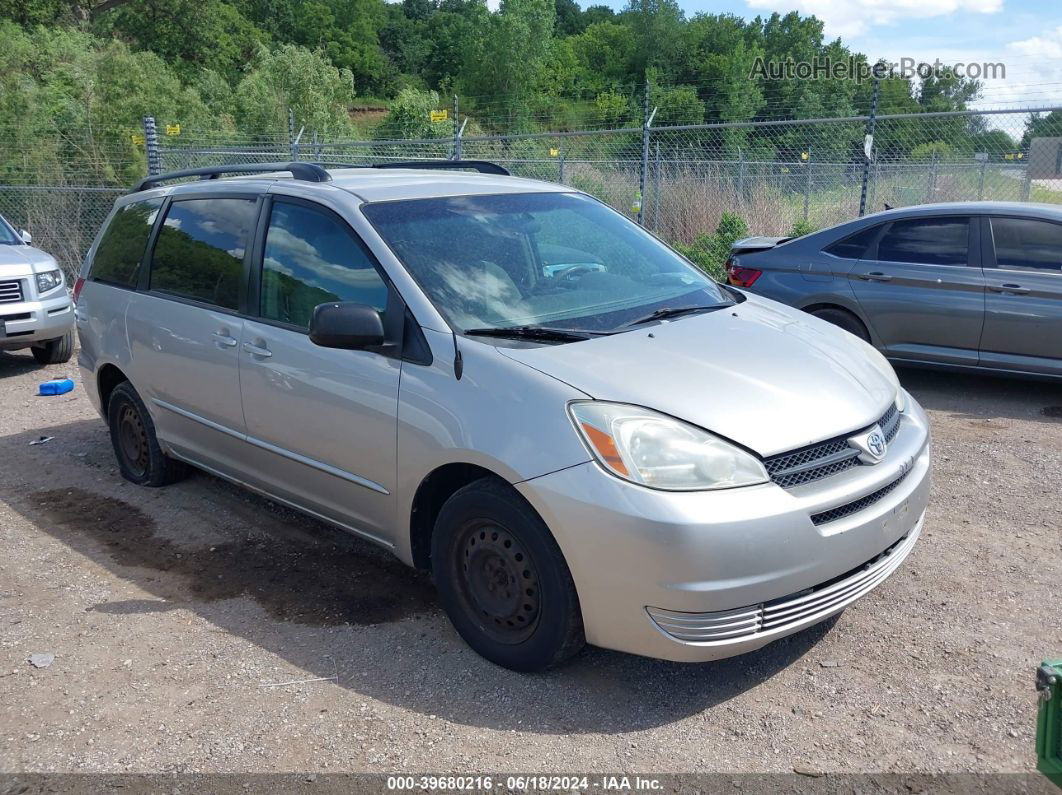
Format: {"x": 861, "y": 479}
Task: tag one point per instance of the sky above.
{"x": 1024, "y": 35}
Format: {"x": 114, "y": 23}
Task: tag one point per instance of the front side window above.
{"x": 926, "y": 241}
{"x": 200, "y": 248}
{"x": 8, "y": 235}
{"x": 1027, "y": 244}
{"x": 121, "y": 248}
{"x": 542, "y": 259}
{"x": 313, "y": 258}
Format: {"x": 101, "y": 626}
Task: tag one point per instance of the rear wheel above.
{"x": 57, "y": 351}
{"x": 140, "y": 458}
{"x": 842, "y": 318}
{"x": 503, "y": 580}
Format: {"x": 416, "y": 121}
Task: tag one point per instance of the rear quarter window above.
{"x": 854, "y": 246}
{"x": 121, "y": 248}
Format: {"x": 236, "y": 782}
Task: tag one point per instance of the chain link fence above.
{"x": 780, "y": 177}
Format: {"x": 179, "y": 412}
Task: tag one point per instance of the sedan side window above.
{"x": 314, "y": 258}
{"x": 927, "y": 241}
{"x": 854, "y": 246}
{"x": 1027, "y": 244}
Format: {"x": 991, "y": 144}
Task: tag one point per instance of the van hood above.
{"x": 761, "y": 374}
{"x": 16, "y": 261}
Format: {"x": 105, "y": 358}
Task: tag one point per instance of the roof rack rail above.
{"x": 482, "y": 166}
{"x": 307, "y": 172}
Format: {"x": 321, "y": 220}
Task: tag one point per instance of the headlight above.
{"x": 48, "y": 280}
{"x": 658, "y": 451}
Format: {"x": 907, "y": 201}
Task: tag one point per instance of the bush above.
{"x": 802, "y": 227}
{"x": 709, "y": 252}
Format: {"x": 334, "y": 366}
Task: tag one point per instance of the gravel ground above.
{"x": 185, "y": 622}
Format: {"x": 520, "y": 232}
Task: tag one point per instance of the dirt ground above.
{"x": 186, "y": 621}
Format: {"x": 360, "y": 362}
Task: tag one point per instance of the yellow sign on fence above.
{"x": 173, "y": 129}
{"x": 439, "y": 115}
{"x": 554, "y": 152}
{"x": 137, "y": 139}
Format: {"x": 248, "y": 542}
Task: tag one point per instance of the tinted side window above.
{"x": 853, "y": 246}
{"x": 199, "y": 251}
{"x": 1025, "y": 244}
{"x": 312, "y": 258}
{"x": 122, "y": 246}
{"x": 928, "y": 241}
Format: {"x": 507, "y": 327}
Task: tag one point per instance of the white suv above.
{"x": 35, "y": 307}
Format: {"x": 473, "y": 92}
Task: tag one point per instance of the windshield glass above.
{"x": 554, "y": 259}
{"x": 8, "y": 236}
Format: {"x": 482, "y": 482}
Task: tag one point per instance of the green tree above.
{"x": 410, "y": 117}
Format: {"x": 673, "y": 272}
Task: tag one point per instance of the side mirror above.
{"x": 27, "y": 238}
{"x": 346, "y": 325}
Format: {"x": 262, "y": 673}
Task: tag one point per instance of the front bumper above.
{"x": 29, "y": 323}
{"x": 700, "y": 576}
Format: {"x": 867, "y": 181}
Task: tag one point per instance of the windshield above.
{"x": 532, "y": 259}
{"x": 8, "y": 236}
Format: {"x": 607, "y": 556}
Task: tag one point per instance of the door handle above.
{"x": 223, "y": 339}
{"x": 257, "y": 350}
{"x": 1011, "y": 289}
{"x": 875, "y": 276}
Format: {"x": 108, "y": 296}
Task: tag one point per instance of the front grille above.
{"x": 10, "y": 291}
{"x": 790, "y": 612}
{"x": 823, "y": 459}
{"x": 848, "y": 509}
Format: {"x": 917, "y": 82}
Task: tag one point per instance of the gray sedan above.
{"x": 964, "y": 285}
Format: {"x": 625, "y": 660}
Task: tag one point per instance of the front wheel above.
{"x": 57, "y": 351}
{"x": 842, "y": 318}
{"x": 503, "y": 580}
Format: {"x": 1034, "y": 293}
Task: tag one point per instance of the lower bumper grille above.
{"x": 790, "y": 612}
{"x": 841, "y": 511}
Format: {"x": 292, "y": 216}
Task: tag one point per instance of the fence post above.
{"x": 151, "y": 146}
{"x": 456, "y": 149}
{"x": 644, "y": 166}
{"x": 869, "y": 143}
{"x": 741, "y": 176}
{"x": 656, "y": 188}
{"x": 560, "y": 162}
{"x": 931, "y": 187}
{"x": 316, "y": 148}
{"x": 1026, "y": 183}
{"x": 807, "y": 185}
{"x": 983, "y": 157}
{"x": 291, "y": 134}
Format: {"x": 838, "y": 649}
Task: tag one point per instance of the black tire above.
{"x": 487, "y": 540}
{"x": 842, "y": 318}
{"x": 57, "y": 351}
{"x": 140, "y": 458}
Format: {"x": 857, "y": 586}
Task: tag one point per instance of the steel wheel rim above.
{"x": 498, "y": 582}
{"x": 132, "y": 439}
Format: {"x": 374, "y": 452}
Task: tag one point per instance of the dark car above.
{"x": 965, "y": 285}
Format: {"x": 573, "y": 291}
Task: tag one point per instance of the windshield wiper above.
{"x": 670, "y": 311}
{"x": 544, "y": 333}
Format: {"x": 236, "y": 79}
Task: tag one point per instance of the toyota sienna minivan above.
{"x": 580, "y": 435}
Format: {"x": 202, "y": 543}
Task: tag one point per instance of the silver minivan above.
{"x": 507, "y": 383}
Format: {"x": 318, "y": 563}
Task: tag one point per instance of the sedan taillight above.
{"x": 741, "y": 277}
{"x": 77, "y": 288}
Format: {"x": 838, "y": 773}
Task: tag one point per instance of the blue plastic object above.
{"x": 60, "y": 386}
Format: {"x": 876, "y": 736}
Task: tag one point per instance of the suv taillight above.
{"x": 77, "y": 288}
{"x": 741, "y": 277}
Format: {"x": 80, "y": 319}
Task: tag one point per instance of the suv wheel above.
{"x": 140, "y": 458}
{"x": 503, "y": 580}
{"x": 842, "y": 318}
{"x": 56, "y": 351}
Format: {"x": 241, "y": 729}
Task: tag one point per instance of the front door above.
{"x": 185, "y": 329}
{"x": 322, "y": 421}
{"x": 922, "y": 289}
{"x": 1023, "y": 305}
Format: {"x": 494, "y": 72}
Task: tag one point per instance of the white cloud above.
{"x": 1047, "y": 46}
{"x": 848, "y": 18}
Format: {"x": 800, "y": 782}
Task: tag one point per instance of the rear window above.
{"x": 121, "y": 248}
{"x": 853, "y": 246}
{"x": 926, "y": 241}
{"x": 200, "y": 248}
{"x": 1027, "y": 244}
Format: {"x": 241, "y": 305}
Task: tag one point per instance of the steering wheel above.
{"x": 571, "y": 274}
